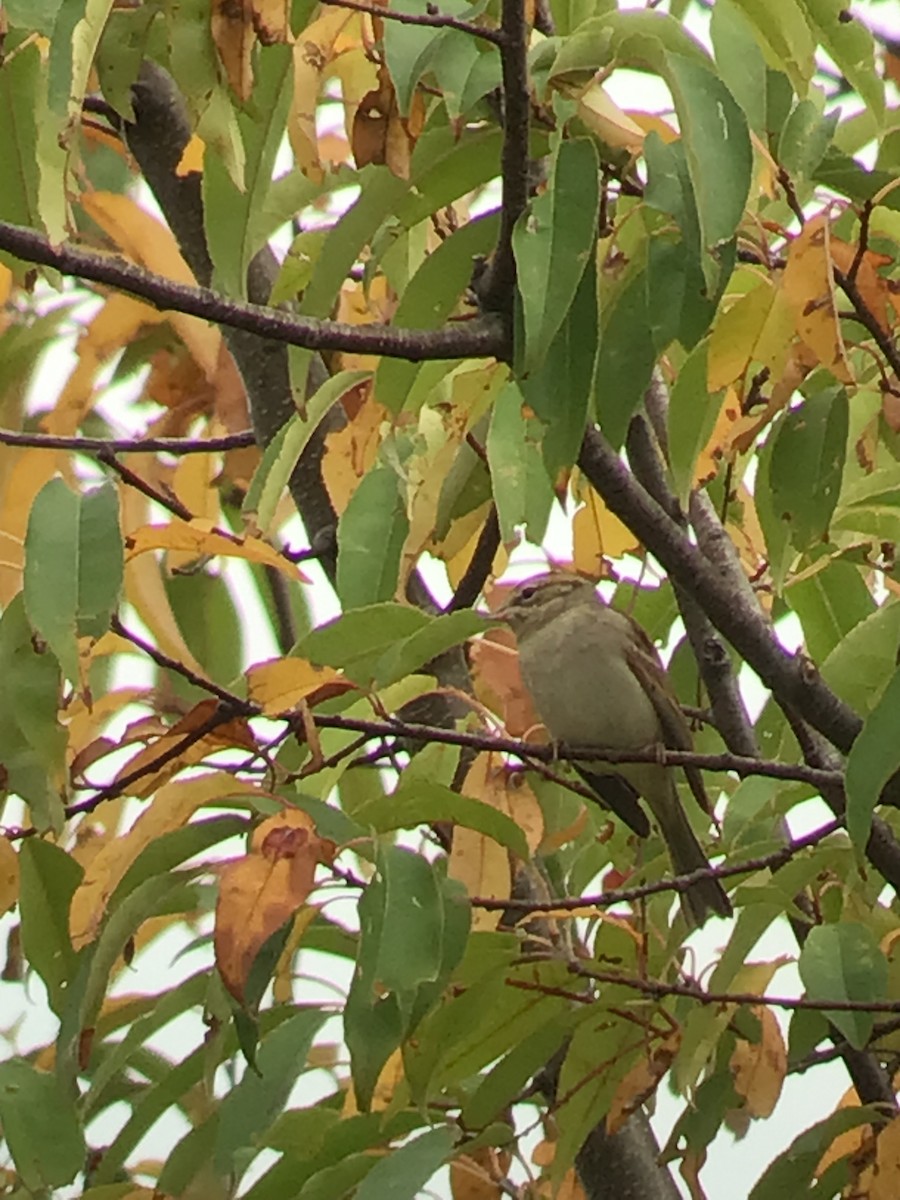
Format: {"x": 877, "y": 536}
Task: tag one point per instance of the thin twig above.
{"x": 155, "y": 445}
{"x": 166, "y": 500}
{"x": 675, "y": 883}
{"x": 435, "y": 20}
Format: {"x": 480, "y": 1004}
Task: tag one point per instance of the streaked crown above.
{"x": 540, "y": 600}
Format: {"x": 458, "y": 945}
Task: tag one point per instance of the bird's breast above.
{"x": 584, "y": 690}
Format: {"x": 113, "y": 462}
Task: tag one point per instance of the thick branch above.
{"x": 473, "y": 339}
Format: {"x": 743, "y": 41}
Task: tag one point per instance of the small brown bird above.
{"x": 596, "y": 680}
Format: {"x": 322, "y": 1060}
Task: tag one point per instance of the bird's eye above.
{"x": 528, "y": 593}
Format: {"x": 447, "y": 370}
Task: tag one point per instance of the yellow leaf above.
{"x": 171, "y": 808}
{"x": 759, "y": 328}
{"x": 9, "y": 876}
{"x": 808, "y": 286}
{"x": 597, "y": 533}
{"x": 603, "y": 117}
{"x": 259, "y": 892}
{"x": 191, "y": 157}
{"x": 641, "y": 1082}
{"x": 198, "y": 539}
{"x": 279, "y": 685}
{"x": 351, "y": 451}
{"x": 312, "y": 54}
{"x": 478, "y": 861}
{"x": 886, "y": 1170}
{"x": 148, "y": 242}
{"x": 192, "y": 484}
{"x": 758, "y": 1068}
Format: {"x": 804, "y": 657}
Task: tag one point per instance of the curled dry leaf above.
{"x": 261, "y": 891}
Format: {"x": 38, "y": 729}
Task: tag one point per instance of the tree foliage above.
{"x": 413, "y": 274}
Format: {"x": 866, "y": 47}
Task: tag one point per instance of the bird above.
{"x": 597, "y": 681}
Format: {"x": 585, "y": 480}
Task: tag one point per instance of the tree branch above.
{"x": 478, "y": 338}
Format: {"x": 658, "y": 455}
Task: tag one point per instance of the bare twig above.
{"x": 155, "y": 445}
{"x": 435, "y": 20}
{"x": 479, "y": 338}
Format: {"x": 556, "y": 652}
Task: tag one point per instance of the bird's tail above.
{"x": 706, "y": 897}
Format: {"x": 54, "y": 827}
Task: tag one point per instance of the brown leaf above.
{"x": 380, "y": 135}
{"x": 231, "y": 23}
{"x": 234, "y": 732}
{"x": 260, "y": 892}
{"x": 641, "y": 1082}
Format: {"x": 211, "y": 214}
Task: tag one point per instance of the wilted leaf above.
{"x": 260, "y": 892}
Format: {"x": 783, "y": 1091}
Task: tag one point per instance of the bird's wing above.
{"x": 676, "y": 734}
{"x": 619, "y": 796}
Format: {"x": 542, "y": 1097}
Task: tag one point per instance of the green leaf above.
{"x": 719, "y": 155}
{"x": 20, "y": 79}
{"x": 429, "y": 299}
{"x": 553, "y": 243}
{"x": 171, "y": 849}
{"x": 522, "y": 488}
{"x": 807, "y": 465}
{"x": 585, "y": 1093}
{"x": 830, "y": 603}
{"x": 212, "y": 627}
{"x": 783, "y": 32}
{"x": 408, "y": 49}
{"x": 383, "y": 643}
{"x": 626, "y": 360}
{"x": 633, "y": 38}
{"x": 805, "y": 137}
{"x": 505, "y": 1081}
{"x": 560, "y": 391}
{"x": 860, "y": 666}
{"x": 422, "y": 803}
{"x": 73, "y": 566}
{"x": 872, "y": 505}
{"x": 793, "y": 1173}
{"x": 371, "y": 534}
{"x": 408, "y": 932}
{"x": 40, "y": 1126}
{"x": 98, "y": 961}
{"x": 466, "y": 70}
{"x": 232, "y": 226}
{"x": 852, "y": 47}
{"x": 283, "y": 452}
{"x": 32, "y": 741}
{"x": 873, "y": 759}
{"x": 403, "y": 1173}
{"x": 420, "y": 647}
{"x": 844, "y": 962}
{"x": 122, "y": 49}
{"x": 741, "y": 63}
{"x": 249, "y": 1109}
{"x": 692, "y": 414}
{"x": 48, "y": 881}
